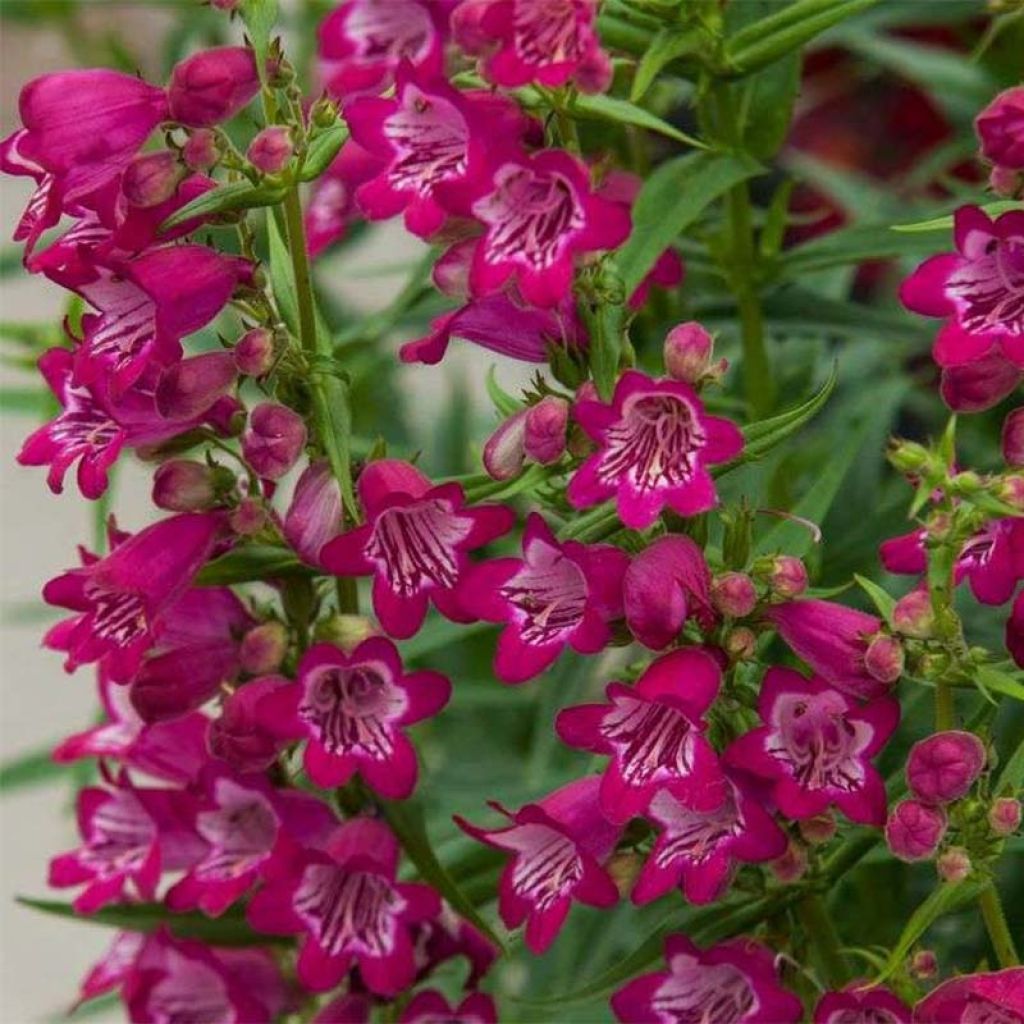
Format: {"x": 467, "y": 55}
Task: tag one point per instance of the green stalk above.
{"x": 998, "y": 930}
{"x": 824, "y": 943}
{"x": 945, "y": 708}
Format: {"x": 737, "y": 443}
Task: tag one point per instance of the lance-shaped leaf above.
{"x": 883, "y": 601}
{"x": 251, "y": 563}
{"x": 607, "y": 108}
{"x": 989, "y": 678}
{"x": 322, "y": 150}
{"x": 235, "y": 195}
{"x": 668, "y": 45}
{"x": 946, "y": 223}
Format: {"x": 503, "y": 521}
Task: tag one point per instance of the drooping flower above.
{"x": 1000, "y": 129}
{"x": 212, "y": 86}
{"x": 816, "y": 747}
{"x": 996, "y": 997}
{"x": 414, "y": 543}
{"x": 314, "y": 515}
{"x": 858, "y": 1002}
{"x": 119, "y": 599}
{"x": 558, "y": 594}
{"x": 350, "y": 907}
{"x": 654, "y": 734}
{"x": 914, "y": 830}
{"x": 541, "y": 214}
{"x": 655, "y": 444}
{"x": 942, "y": 767}
{"x": 558, "y": 845}
{"x": 978, "y": 290}
{"x": 697, "y": 851}
{"x": 735, "y": 982}
{"x": 429, "y": 1007}
{"x": 353, "y": 709}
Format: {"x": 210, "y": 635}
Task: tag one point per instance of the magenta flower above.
{"x": 189, "y": 388}
{"x": 996, "y": 997}
{"x": 414, "y": 543}
{"x": 559, "y": 845}
{"x": 212, "y": 86}
{"x": 429, "y": 1007}
{"x": 978, "y": 290}
{"x": 447, "y": 936}
{"x": 121, "y": 598}
{"x": 835, "y": 641}
{"x": 1015, "y": 630}
{"x": 654, "y": 445}
{"x": 547, "y": 42}
{"x": 314, "y": 515}
{"x": 331, "y": 204}
{"x": 665, "y": 584}
{"x": 981, "y": 384}
{"x": 353, "y": 709}
{"x": 43, "y": 209}
{"x": 914, "y": 830}
{"x": 110, "y": 971}
{"x": 654, "y": 734}
{"x": 178, "y": 979}
{"x": 128, "y": 834}
{"x": 875, "y": 1004}
{"x": 362, "y": 42}
{"x": 273, "y": 440}
{"x": 697, "y": 851}
{"x": 942, "y": 767}
{"x": 1000, "y": 129}
{"x": 351, "y": 908}
{"x": 271, "y": 150}
{"x": 540, "y": 214}
{"x": 556, "y": 595}
{"x": 238, "y": 736}
{"x": 735, "y": 982}
{"x": 816, "y": 747}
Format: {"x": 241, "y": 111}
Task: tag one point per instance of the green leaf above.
{"x": 505, "y": 404}
{"x": 607, "y": 108}
{"x": 668, "y": 45}
{"x": 322, "y": 150}
{"x": 251, "y": 563}
{"x": 502, "y": 490}
{"x": 1008, "y": 685}
{"x": 882, "y": 600}
{"x": 281, "y": 280}
{"x": 230, "y": 929}
{"x": 674, "y": 196}
{"x": 946, "y": 223}
{"x": 1011, "y": 778}
{"x": 406, "y": 820}
{"x": 34, "y": 769}
{"x": 766, "y": 106}
{"x": 260, "y": 16}
{"x": 236, "y": 195}
{"x": 852, "y": 245}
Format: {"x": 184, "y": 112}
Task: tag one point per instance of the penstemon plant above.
{"x": 750, "y": 768}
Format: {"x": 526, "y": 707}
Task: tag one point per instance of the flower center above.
{"x": 544, "y": 31}
{"x": 351, "y": 710}
{"x": 386, "y": 29}
{"x": 651, "y": 739}
{"x": 417, "y": 546}
{"x": 703, "y": 994}
{"x": 430, "y": 138}
{"x": 530, "y": 216}
{"x": 989, "y": 290}
{"x": 349, "y": 913}
{"x": 549, "y": 594}
{"x": 118, "y": 616}
{"x": 189, "y": 993}
{"x": 241, "y": 832}
{"x": 548, "y": 866}
{"x": 691, "y": 835}
{"x": 83, "y": 425}
{"x": 120, "y": 836}
{"x": 654, "y": 445}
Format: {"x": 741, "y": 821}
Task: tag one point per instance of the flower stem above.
{"x": 824, "y": 940}
{"x": 945, "y": 709}
{"x": 998, "y": 930}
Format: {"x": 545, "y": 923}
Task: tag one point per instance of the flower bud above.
{"x": 151, "y": 179}
{"x": 1000, "y": 129}
{"x": 254, "y": 352}
{"x": 271, "y": 150}
{"x": 505, "y": 450}
{"x": 687, "y": 352}
{"x": 1005, "y": 181}
{"x": 791, "y": 866}
{"x": 1013, "y": 437}
{"x": 954, "y": 864}
{"x": 1004, "y": 816}
{"x": 201, "y": 151}
{"x": 212, "y": 86}
{"x": 914, "y": 830}
{"x": 345, "y": 631}
{"x": 594, "y": 73}
{"x": 884, "y": 658}
{"x": 249, "y": 518}
{"x": 909, "y": 456}
{"x": 912, "y": 614}
{"x": 545, "y": 427}
{"x": 943, "y": 767}
{"x": 189, "y": 388}
{"x": 788, "y": 577}
{"x": 733, "y": 594}
{"x": 740, "y": 644}
{"x": 924, "y": 964}
{"x": 819, "y": 829}
{"x": 273, "y": 440}
{"x": 226, "y": 416}
{"x": 263, "y": 648}
{"x": 184, "y": 486}
{"x": 1011, "y": 491}
{"x": 314, "y": 515}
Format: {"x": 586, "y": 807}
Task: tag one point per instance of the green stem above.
{"x": 998, "y": 930}
{"x": 824, "y": 943}
{"x": 945, "y": 709}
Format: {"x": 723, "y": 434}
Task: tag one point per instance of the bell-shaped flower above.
{"x": 558, "y": 847}
{"x": 655, "y": 443}
{"x": 860, "y": 1002}
{"x": 980, "y": 384}
{"x": 996, "y": 996}
{"x": 350, "y": 907}
{"x": 429, "y": 1006}
{"x": 816, "y": 746}
{"x": 189, "y": 388}
{"x": 238, "y": 736}
{"x": 697, "y": 851}
{"x": 558, "y": 594}
{"x": 735, "y": 981}
{"x": 414, "y": 543}
{"x": 212, "y": 86}
{"x": 353, "y": 708}
{"x": 113, "y": 967}
{"x": 653, "y": 733}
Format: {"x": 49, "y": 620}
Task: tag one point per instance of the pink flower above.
{"x": 212, "y": 86}
{"x": 110, "y": 971}
{"x": 189, "y": 388}
{"x": 697, "y": 851}
{"x": 447, "y": 936}
{"x": 942, "y": 767}
{"x": 429, "y": 1007}
{"x": 351, "y": 908}
{"x": 556, "y": 595}
{"x": 238, "y": 735}
{"x": 655, "y": 443}
{"x": 558, "y": 846}
{"x": 547, "y": 42}
{"x": 855, "y": 1003}
{"x": 353, "y": 709}
{"x": 664, "y": 585}
{"x": 979, "y": 385}
{"x": 362, "y": 42}
{"x": 978, "y": 290}
{"x": 540, "y": 214}
{"x": 314, "y": 515}
{"x": 997, "y": 997}
{"x": 271, "y": 150}
{"x": 120, "y": 598}
{"x": 1015, "y": 630}
{"x": 414, "y": 543}
{"x": 43, "y": 209}
{"x": 654, "y": 734}
{"x": 152, "y": 179}
{"x": 1013, "y": 438}
{"x": 273, "y": 439}
{"x": 178, "y": 979}
{"x": 687, "y": 352}
{"x": 914, "y": 830}
{"x": 815, "y": 747}
{"x": 835, "y": 640}
{"x": 1000, "y": 129}
{"x": 332, "y": 203}
{"x": 735, "y": 982}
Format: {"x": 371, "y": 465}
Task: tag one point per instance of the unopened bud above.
{"x": 189, "y": 388}
{"x": 909, "y": 456}
{"x": 151, "y": 179}
{"x": 594, "y": 73}
{"x": 345, "y": 631}
{"x": 788, "y": 577}
{"x": 254, "y": 352}
{"x": 505, "y": 450}
{"x": 924, "y": 965}
{"x": 1004, "y": 816}
{"x": 733, "y": 594}
{"x": 740, "y": 644}
{"x": 249, "y": 518}
{"x": 953, "y": 865}
{"x": 914, "y": 830}
{"x": 201, "y": 151}
{"x": 687, "y": 353}
{"x": 212, "y": 86}
{"x": 942, "y": 768}
{"x": 273, "y": 440}
{"x": 1011, "y": 491}
{"x": 271, "y": 150}
{"x": 791, "y": 866}
{"x": 263, "y": 648}
{"x": 184, "y": 486}
{"x": 1005, "y": 181}
{"x": 819, "y": 829}
{"x": 913, "y": 616}
{"x": 545, "y": 427}
{"x": 884, "y": 658}
{"x": 323, "y": 113}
